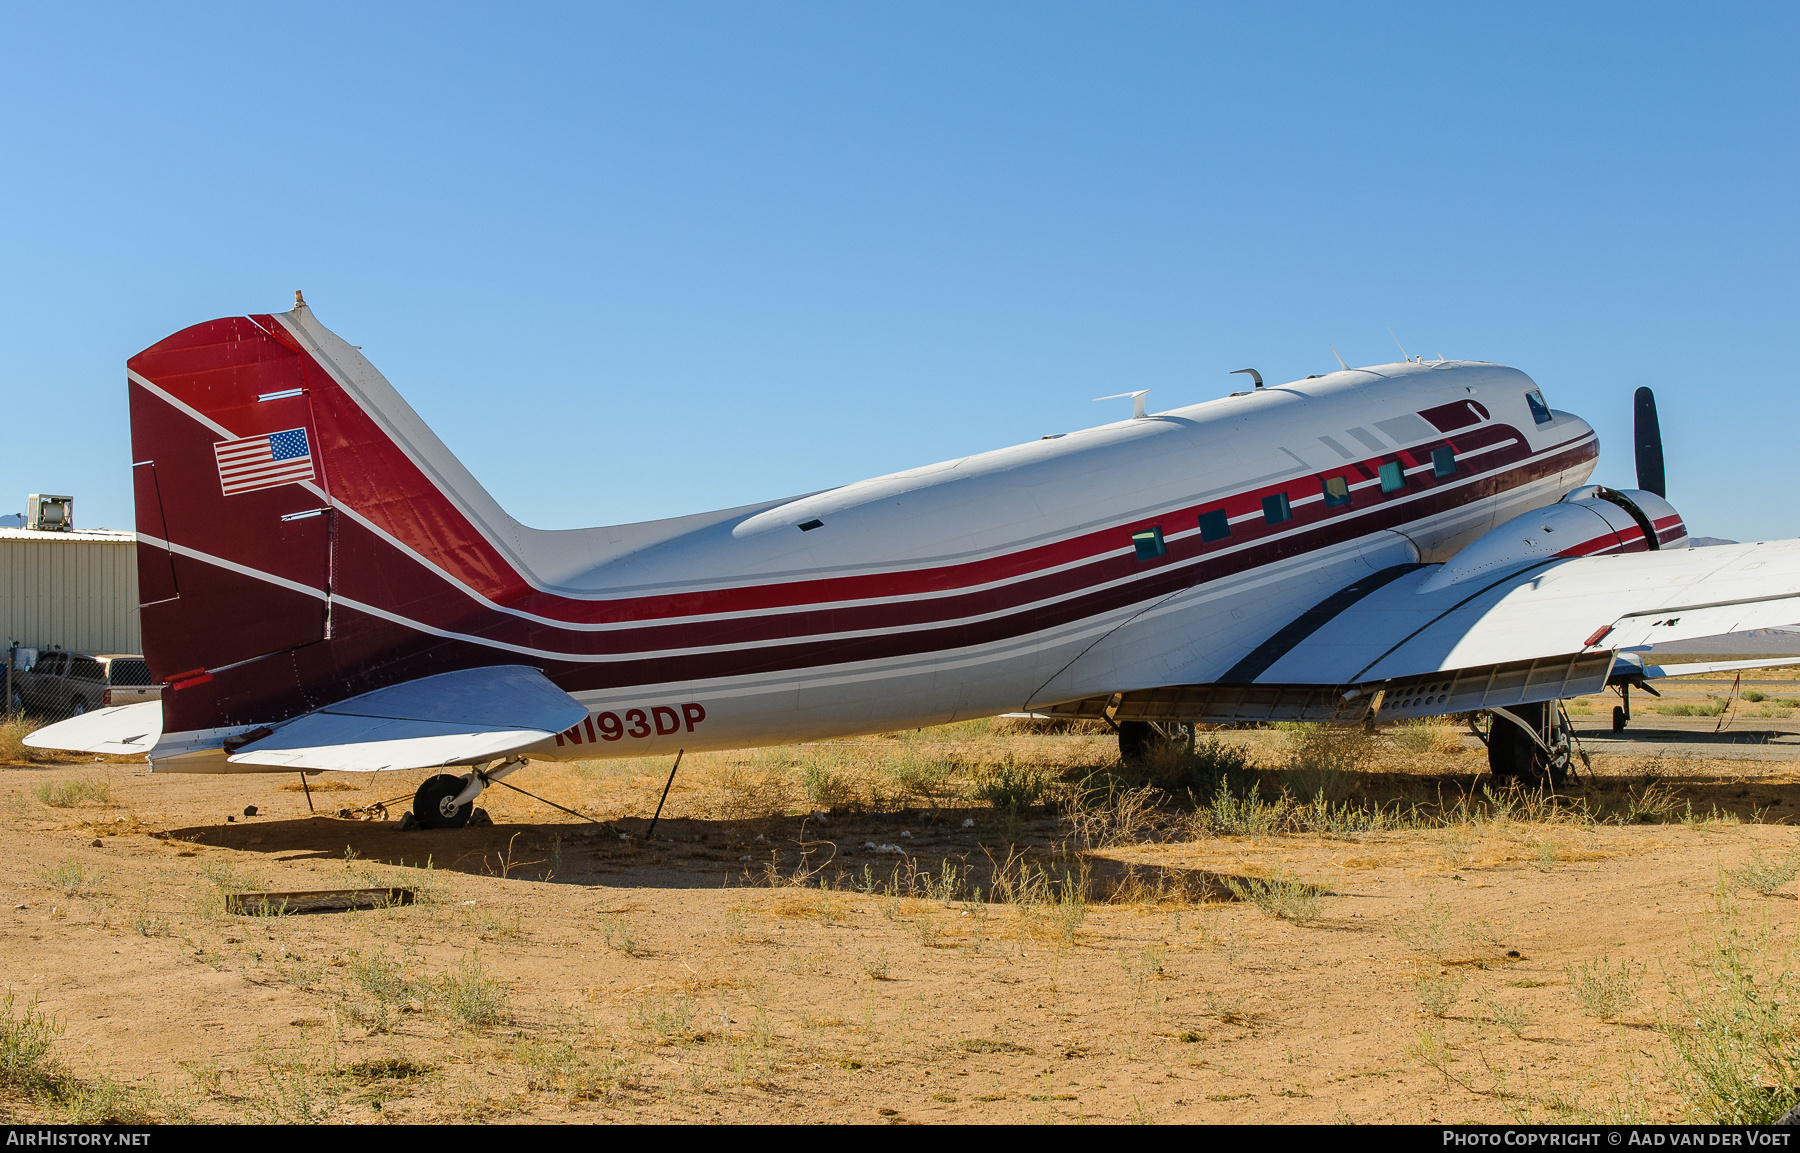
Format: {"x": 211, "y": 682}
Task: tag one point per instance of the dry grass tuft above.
{"x": 68, "y": 794}
{"x": 13, "y": 750}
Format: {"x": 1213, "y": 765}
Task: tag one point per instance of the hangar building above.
{"x": 76, "y": 589}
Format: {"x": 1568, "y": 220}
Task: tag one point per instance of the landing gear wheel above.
{"x": 432, "y": 806}
{"x": 1514, "y": 756}
{"x": 1139, "y": 740}
{"x": 1619, "y": 719}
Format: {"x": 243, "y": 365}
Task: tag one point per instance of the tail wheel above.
{"x": 434, "y": 807}
{"x": 1139, "y": 740}
{"x": 1514, "y": 756}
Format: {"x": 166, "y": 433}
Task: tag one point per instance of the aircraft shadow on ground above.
{"x": 775, "y": 853}
{"x": 1635, "y": 735}
{"x": 859, "y": 853}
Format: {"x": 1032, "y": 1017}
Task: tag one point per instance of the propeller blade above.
{"x": 1646, "y": 436}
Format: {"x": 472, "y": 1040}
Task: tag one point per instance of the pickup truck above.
{"x": 69, "y": 684}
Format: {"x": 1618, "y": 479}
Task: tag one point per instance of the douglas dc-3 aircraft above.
{"x": 324, "y": 586}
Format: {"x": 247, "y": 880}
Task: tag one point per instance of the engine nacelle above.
{"x": 1587, "y": 522}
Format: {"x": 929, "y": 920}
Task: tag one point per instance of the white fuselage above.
{"x": 1011, "y": 580}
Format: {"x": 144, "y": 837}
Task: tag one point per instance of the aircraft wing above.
{"x": 463, "y": 717}
{"x": 1539, "y": 630}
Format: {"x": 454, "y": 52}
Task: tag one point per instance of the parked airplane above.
{"x": 325, "y": 587}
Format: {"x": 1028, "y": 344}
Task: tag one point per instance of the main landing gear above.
{"x": 447, "y": 801}
{"x": 1530, "y": 745}
{"x": 1146, "y": 740}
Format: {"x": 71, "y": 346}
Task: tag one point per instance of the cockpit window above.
{"x": 1540, "y": 411}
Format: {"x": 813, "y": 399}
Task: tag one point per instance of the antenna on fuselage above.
{"x": 1401, "y": 347}
{"x": 1340, "y": 359}
{"x": 1137, "y": 401}
{"x": 1254, "y": 375}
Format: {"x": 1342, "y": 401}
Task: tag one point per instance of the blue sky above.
{"x": 634, "y": 261}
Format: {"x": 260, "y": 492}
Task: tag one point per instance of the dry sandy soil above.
{"x": 559, "y": 970}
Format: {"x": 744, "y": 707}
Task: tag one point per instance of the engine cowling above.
{"x": 1590, "y": 521}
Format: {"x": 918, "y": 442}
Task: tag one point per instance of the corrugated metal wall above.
{"x": 77, "y": 593}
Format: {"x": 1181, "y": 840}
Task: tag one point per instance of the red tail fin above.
{"x": 277, "y": 473}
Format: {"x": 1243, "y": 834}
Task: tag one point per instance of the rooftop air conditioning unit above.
{"x": 49, "y": 513}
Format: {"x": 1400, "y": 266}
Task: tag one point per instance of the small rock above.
{"x": 408, "y": 822}
{"x": 20, "y": 905}
{"x": 249, "y": 810}
{"x": 98, "y": 844}
{"x": 1512, "y": 954}
{"x": 229, "y": 818}
{"x": 968, "y": 822}
{"x": 906, "y": 832}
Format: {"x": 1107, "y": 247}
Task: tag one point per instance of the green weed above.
{"x": 1281, "y": 896}
{"x": 68, "y": 794}
{"x": 1603, "y": 989}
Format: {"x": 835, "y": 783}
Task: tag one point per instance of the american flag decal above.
{"x": 265, "y": 461}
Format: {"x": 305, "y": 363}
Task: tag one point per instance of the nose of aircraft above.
{"x": 1567, "y": 426}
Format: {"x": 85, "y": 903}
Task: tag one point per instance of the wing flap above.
{"x": 1630, "y": 668}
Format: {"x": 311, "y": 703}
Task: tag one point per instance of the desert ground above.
{"x": 976, "y": 923}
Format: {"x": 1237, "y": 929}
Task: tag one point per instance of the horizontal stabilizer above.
{"x": 464, "y": 717}
{"x": 123, "y": 730}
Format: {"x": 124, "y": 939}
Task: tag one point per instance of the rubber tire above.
{"x": 1619, "y": 719}
{"x": 1138, "y": 739}
{"x": 78, "y": 707}
{"x": 1514, "y": 756}
{"x": 434, "y": 796}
